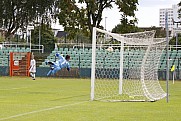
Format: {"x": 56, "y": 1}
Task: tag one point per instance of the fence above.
{"x": 33, "y": 48}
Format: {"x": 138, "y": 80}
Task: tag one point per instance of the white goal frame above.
{"x": 125, "y": 38}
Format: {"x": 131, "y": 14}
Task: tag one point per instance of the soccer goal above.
{"x": 128, "y": 69}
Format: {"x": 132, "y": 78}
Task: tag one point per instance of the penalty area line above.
{"x": 41, "y": 110}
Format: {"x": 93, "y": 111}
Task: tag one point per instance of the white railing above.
{"x": 33, "y": 48}
{"x": 83, "y": 45}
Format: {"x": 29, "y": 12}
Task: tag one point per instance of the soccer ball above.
{"x": 110, "y": 49}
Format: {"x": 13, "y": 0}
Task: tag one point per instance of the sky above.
{"x": 147, "y": 14}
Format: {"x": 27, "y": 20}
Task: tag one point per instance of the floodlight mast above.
{"x": 176, "y": 34}
{"x": 167, "y": 73}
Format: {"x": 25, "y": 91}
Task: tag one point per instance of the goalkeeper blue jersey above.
{"x": 62, "y": 62}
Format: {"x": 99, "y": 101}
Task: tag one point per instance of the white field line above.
{"x": 42, "y": 110}
{"x": 14, "y": 88}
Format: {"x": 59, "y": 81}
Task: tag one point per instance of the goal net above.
{"x": 175, "y": 31}
{"x": 124, "y": 67}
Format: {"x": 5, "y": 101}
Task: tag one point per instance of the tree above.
{"x": 173, "y": 40}
{"x": 17, "y": 14}
{"x": 179, "y": 11}
{"x": 47, "y": 36}
{"x": 2, "y": 38}
{"x": 125, "y": 28}
{"x": 73, "y": 19}
{"x": 160, "y": 32}
{"x": 85, "y": 18}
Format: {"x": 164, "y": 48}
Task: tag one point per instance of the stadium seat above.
{"x": 54, "y": 52}
{"x": 21, "y": 50}
{"x": 69, "y": 52}
{"x": 60, "y": 49}
{"x": 73, "y": 53}
{"x": 65, "y": 49}
{"x": 64, "y": 52}
{"x": 56, "y": 49}
{"x": 81, "y": 49}
{"x": 27, "y": 49}
{"x": 76, "y": 49}
{"x": 86, "y": 49}
{"x": 173, "y": 55}
{"x": 70, "y": 49}
{"x": 1, "y": 53}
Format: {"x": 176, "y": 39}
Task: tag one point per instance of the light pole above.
{"x": 29, "y": 28}
{"x": 39, "y": 37}
{"x": 38, "y": 24}
{"x": 167, "y": 72}
{"x": 105, "y": 22}
{"x": 105, "y": 29}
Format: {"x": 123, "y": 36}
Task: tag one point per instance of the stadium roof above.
{"x": 61, "y": 34}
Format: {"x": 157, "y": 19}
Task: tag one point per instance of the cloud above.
{"x": 148, "y": 13}
{"x": 153, "y": 3}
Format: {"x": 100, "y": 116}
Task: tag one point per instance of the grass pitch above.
{"x": 55, "y": 99}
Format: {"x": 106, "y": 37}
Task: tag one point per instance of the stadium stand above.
{"x": 4, "y": 54}
{"x": 81, "y": 58}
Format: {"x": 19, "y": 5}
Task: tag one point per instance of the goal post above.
{"x": 121, "y": 68}
{"x": 128, "y": 71}
{"x": 93, "y": 62}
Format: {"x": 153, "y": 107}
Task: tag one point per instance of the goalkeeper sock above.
{"x": 31, "y": 75}
{"x": 34, "y": 75}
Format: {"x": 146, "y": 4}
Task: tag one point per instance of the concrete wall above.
{"x": 86, "y": 73}
{"x": 4, "y": 71}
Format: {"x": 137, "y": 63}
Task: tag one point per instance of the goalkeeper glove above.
{"x": 68, "y": 69}
{"x": 46, "y": 62}
{"x": 57, "y": 54}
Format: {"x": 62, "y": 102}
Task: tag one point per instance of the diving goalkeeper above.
{"x": 58, "y": 65}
